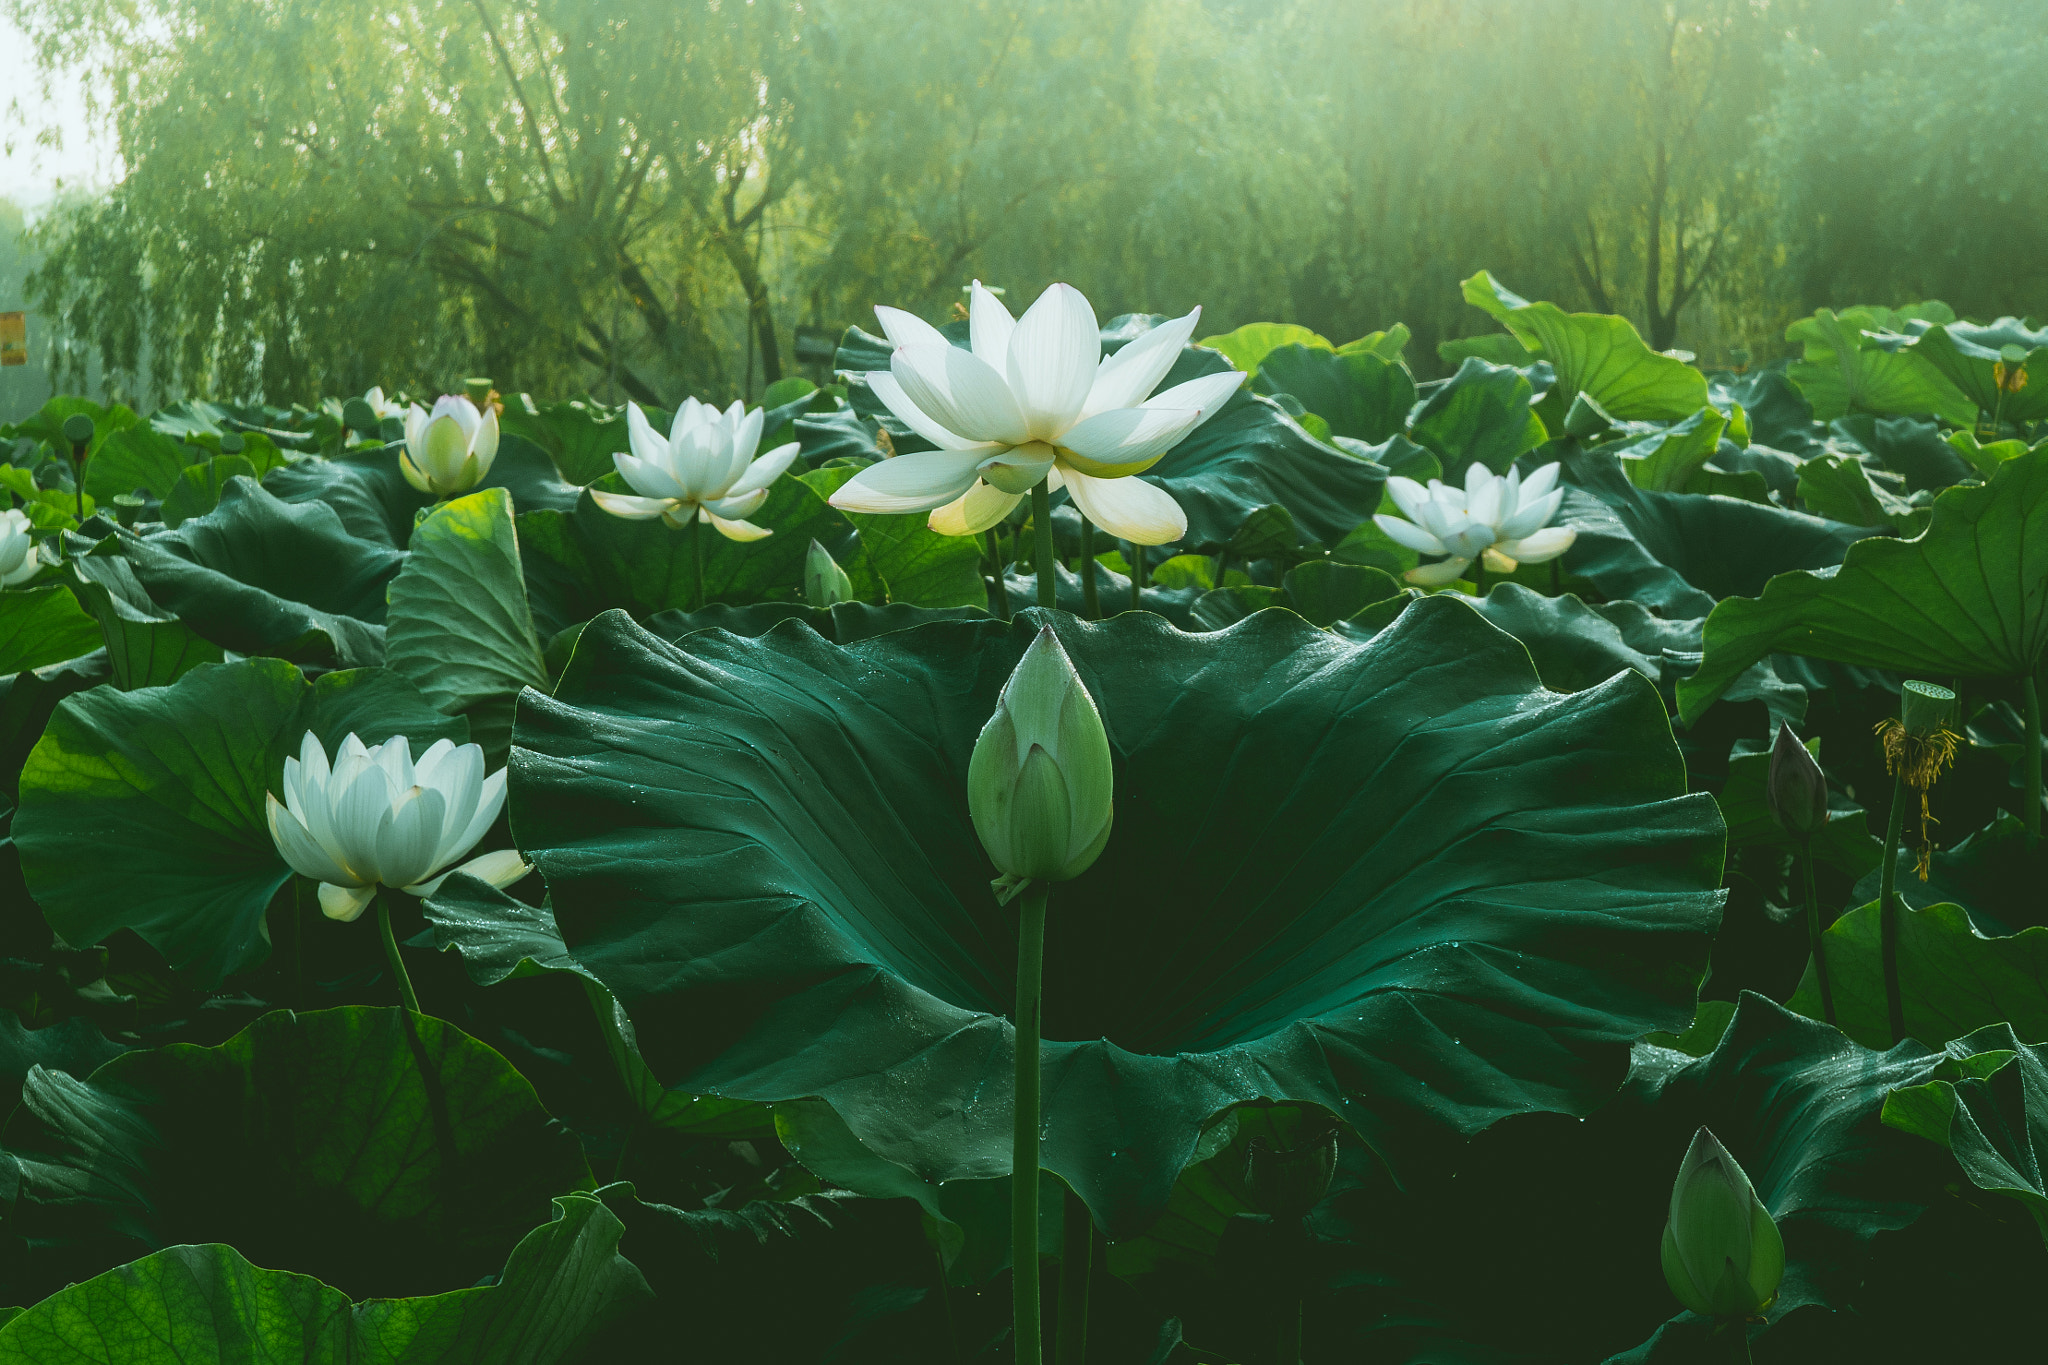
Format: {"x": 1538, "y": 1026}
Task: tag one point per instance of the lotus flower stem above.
{"x": 999, "y": 595}
{"x": 405, "y": 993}
{"x": 1479, "y": 578}
{"x": 1813, "y": 935}
{"x": 1138, "y": 573}
{"x": 1289, "y": 1351}
{"x": 1024, "y": 1135}
{"x": 2030, "y": 761}
{"x": 1888, "y": 910}
{"x": 697, "y": 561}
{"x": 1091, "y": 606}
{"x": 1041, "y": 525}
{"x": 1077, "y": 1251}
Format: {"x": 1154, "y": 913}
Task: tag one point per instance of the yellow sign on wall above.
{"x": 13, "y": 339}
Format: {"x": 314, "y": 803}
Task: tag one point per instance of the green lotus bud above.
{"x": 1722, "y": 1253}
{"x": 1797, "y": 791}
{"x": 1926, "y": 709}
{"x": 78, "y": 429}
{"x": 825, "y": 583}
{"x": 1040, "y": 782}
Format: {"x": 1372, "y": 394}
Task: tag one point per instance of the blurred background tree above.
{"x": 645, "y": 199}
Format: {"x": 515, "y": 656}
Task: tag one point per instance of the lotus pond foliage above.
{"x": 1074, "y": 840}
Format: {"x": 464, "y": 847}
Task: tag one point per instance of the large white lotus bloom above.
{"x": 449, "y": 450}
{"x": 19, "y": 558}
{"x": 1504, "y": 519}
{"x": 377, "y": 818}
{"x": 1034, "y": 399}
{"x": 705, "y": 469}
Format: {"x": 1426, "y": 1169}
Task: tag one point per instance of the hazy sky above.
{"x": 28, "y": 173}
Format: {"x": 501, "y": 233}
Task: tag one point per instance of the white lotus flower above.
{"x": 377, "y": 818}
{"x": 19, "y": 557}
{"x": 1503, "y": 519}
{"x": 449, "y": 450}
{"x": 705, "y": 469}
{"x": 1034, "y": 399}
{"x": 381, "y": 405}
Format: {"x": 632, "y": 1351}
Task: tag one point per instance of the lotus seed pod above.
{"x": 78, "y": 429}
{"x": 232, "y": 443}
{"x": 1797, "y": 791}
{"x": 1723, "y": 1256}
{"x": 1925, "y": 708}
{"x": 1040, "y": 783}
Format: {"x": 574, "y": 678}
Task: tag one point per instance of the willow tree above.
{"x": 325, "y": 194}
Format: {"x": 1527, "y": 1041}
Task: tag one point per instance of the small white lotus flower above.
{"x": 1040, "y": 782}
{"x": 1034, "y": 399}
{"x": 378, "y": 818}
{"x": 449, "y": 450}
{"x": 1723, "y": 1255}
{"x": 1504, "y": 519}
{"x": 19, "y": 556}
{"x": 705, "y": 470}
{"x": 380, "y": 405}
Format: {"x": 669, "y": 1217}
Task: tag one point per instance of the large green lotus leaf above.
{"x": 1597, "y": 354}
{"x": 1481, "y": 413}
{"x": 1840, "y": 488}
{"x": 1671, "y": 460}
{"x": 844, "y": 623}
{"x": 72, "y": 1045}
{"x": 1719, "y": 545}
{"x": 43, "y": 626}
{"x": 1778, "y": 415}
{"x": 198, "y": 488}
{"x": 144, "y": 810}
{"x": 501, "y": 939}
{"x": 1248, "y": 346}
{"x": 139, "y": 458}
{"x": 1855, "y": 362}
{"x": 822, "y": 1277}
{"x": 46, "y": 424}
{"x": 1913, "y": 449}
{"x": 384, "y": 1152}
{"x": 1397, "y": 879}
{"x": 1968, "y": 597}
{"x": 1322, "y": 592}
{"x": 587, "y": 561}
{"x": 198, "y": 1305}
{"x": 1609, "y": 557}
{"x": 1988, "y": 1104}
{"x": 1360, "y": 394}
{"x": 916, "y": 564}
{"x": 1573, "y": 646}
{"x": 146, "y": 645}
{"x": 260, "y": 576}
{"x": 458, "y": 627}
{"x": 1953, "y": 980}
{"x": 373, "y": 500}
{"x": 1967, "y": 354}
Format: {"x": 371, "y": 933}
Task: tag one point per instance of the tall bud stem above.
{"x": 1024, "y": 1136}
{"x": 1041, "y": 526}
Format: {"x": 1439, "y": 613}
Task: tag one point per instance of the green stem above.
{"x": 1479, "y": 578}
{"x": 411, "y": 1001}
{"x": 1041, "y": 524}
{"x": 946, "y": 1303}
{"x": 1289, "y": 1350}
{"x": 1556, "y": 577}
{"x": 999, "y": 594}
{"x": 697, "y": 557}
{"x": 1813, "y": 937}
{"x": 1090, "y": 606}
{"x": 1137, "y": 567}
{"x": 1077, "y": 1248}
{"x": 1888, "y": 911}
{"x": 1222, "y": 568}
{"x": 78, "y": 473}
{"x": 2031, "y": 761}
{"x": 1024, "y": 1134}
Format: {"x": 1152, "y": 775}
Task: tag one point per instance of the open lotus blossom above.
{"x": 1034, "y": 399}
{"x": 380, "y": 405}
{"x": 705, "y": 470}
{"x": 449, "y": 450}
{"x": 19, "y": 558}
{"x": 1503, "y": 519}
{"x": 378, "y": 818}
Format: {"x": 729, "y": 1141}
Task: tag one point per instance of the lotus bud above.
{"x": 1797, "y": 791}
{"x": 1926, "y": 709}
{"x": 825, "y": 583}
{"x": 1040, "y": 783}
{"x": 1723, "y": 1256}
